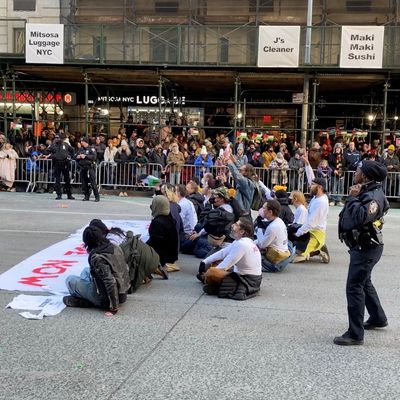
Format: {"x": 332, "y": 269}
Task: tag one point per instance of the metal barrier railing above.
{"x": 39, "y": 176}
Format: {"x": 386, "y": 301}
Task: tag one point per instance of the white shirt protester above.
{"x": 275, "y": 236}
{"x": 317, "y": 215}
{"x": 242, "y": 254}
{"x": 300, "y": 215}
{"x": 188, "y": 215}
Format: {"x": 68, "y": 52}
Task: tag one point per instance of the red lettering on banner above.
{"x": 35, "y": 280}
{"x": 40, "y": 270}
{"x": 80, "y": 250}
{"x": 59, "y": 265}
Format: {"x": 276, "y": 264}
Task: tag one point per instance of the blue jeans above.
{"x": 268, "y": 266}
{"x": 84, "y": 287}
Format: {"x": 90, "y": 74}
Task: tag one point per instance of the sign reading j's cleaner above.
{"x": 44, "y": 43}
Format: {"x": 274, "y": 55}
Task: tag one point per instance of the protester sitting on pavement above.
{"x": 314, "y": 226}
{"x": 216, "y": 224}
{"x": 189, "y": 219}
{"x": 239, "y": 273}
{"x": 107, "y": 283}
{"x": 8, "y": 165}
{"x": 300, "y": 204}
{"x": 286, "y": 214}
{"x": 141, "y": 258}
{"x": 162, "y": 231}
{"x": 195, "y": 197}
{"x": 273, "y": 243}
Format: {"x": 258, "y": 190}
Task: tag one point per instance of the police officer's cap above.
{"x": 373, "y": 170}
{"x": 320, "y": 182}
{"x": 85, "y": 139}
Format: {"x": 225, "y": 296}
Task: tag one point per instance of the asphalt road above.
{"x": 170, "y": 341}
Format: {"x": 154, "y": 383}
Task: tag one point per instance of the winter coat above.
{"x": 279, "y": 172}
{"x": 198, "y": 201}
{"x": 202, "y": 166}
{"x": 240, "y": 287}
{"x": 244, "y": 188}
{"x": 8, "y": 164}
{"x": 110, "y": 272}
{"x": 177, "y": 160}
{"x": 141, "y": 258}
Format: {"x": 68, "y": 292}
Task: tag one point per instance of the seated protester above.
{"x": 168, "y": 191}
{"x": 189, "y": 219}
{"x": 315, "y": 226}
{"x": 240, "y": 266}
{"x": 162, "y": 231}
{"x": 286, "y": 214}
{"x": 273, "y": 243}
{"x": 107, "y": 283}
{"x": 300, "y": 204}
{"x": 141, "y": 258}
{"x": 195, "y": 197}
{"x": 216, "y": 225}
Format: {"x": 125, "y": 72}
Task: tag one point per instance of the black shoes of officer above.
{"x": 370, "y": 325}
{"x": 346, "y": 340}
{"x": 58, "y": 198}
{"x": 70, "y": 197}
{"x": 97, "y": 199}
{"x": 85, "y": 199}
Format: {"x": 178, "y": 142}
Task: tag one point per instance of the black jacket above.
{"x": 60, "y": 152}
{"x": 360, "y": 212}
{"x": 110, "y": 272}
{"x": 198, "y": 201}
{"x": 90, "y": 157}
{"x": 164, "y": 238}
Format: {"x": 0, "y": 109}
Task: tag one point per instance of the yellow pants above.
{"x": 317, "y": 240}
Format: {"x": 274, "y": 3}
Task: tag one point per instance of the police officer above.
{"x": 360, "y": 225}
{"x": 61, "y": 153}
{"x": 86, "y": 158}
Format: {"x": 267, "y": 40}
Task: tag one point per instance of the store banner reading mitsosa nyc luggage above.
{"x": 44, "y": 43}
{"x": 362, "y": 47}
{"x": 278, "y": 46}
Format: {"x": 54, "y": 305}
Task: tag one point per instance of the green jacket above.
{"x": 141, "y": 258}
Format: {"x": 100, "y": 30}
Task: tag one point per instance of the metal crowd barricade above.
{"x": 127, "y": 176}
{"x": 22, "y": 174}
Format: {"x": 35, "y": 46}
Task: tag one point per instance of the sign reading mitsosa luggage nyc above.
{"x": 44, "y": 43}
{"x": 361, "y": 47}
{"x": 278, "y": 46}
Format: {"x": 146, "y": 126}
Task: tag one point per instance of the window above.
{"x": 19, "y": 40}
{"x": 224, "y": 50}
{"x": 261, "y": 6}
{"x": 359, "y": 5}
{"x": 24, "y": 5}
{"x": 164, "y": 45}
{"x": 99, "y": 52}
{"x": 167, "y": 7}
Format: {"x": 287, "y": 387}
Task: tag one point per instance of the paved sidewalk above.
{"x": 170, "y": 341}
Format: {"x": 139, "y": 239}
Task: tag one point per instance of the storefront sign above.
{"x": 361, "y": 47}
{"x": 44, "y": 43}
{"x": 298, "y": 98}
{"x": 278, "y": 46}
{"x": 141, "y": 100}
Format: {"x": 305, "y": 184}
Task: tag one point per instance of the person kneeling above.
{"x": 106, "y": 283}
{"x": 239, "y": 275}
{"x": 276, "y": 251}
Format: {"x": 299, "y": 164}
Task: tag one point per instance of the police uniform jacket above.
{"x": 61, "y": 152}
{"x": 90, "y": 159}
{"x": 360, "y": 220}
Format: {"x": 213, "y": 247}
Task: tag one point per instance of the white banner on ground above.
{"x": 44, "y": 43}
{"x": 361, "y": 47}
{"x": 47, "y": 270}
{"x": 278, "y": 46}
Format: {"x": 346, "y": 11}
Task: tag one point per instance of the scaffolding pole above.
{"x": 5, "y": 103}
{"x": 160, "y": 83}
{"x": 85, "y": 75}
{"x": 304, "y": 112}
{"x": 386, "y": 86}
{"x": 313, "y": 114}
{"x": 236, "y": 107}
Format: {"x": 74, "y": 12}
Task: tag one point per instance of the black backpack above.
{"x": 218, "y": 222}
{"x": 258, "y": 197}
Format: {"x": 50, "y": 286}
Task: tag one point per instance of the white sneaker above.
{"x": 121, "y": 194}
{"x": 331, "y": 203}
{"x": 340, "y": 204}
{"x": 125, "y": 194}
{"x": 324, "y": 254}
{"x": 299, "y": 258}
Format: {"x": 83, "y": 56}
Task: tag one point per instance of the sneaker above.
{"x": 172, "y": 267}
{"x": 125, "y": 194}
{"x": 324, "y": 254}
{"x": 161, "y": 271}
{"x": 299, "y": 258}
{"x": 71, "y": 301}
{"x": 340, "y": 204}
{"x": 121, "y": 194}
{"x": 331, "y": 203}
{"x": 12, "y": 190}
